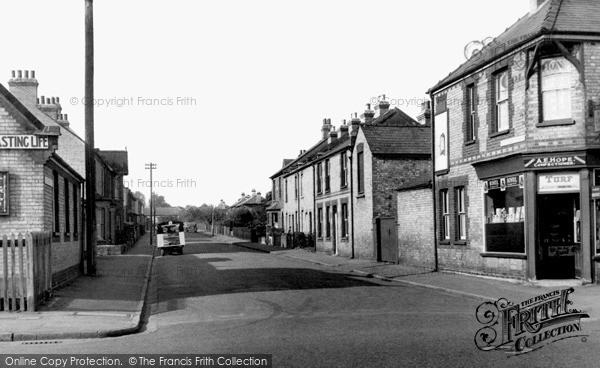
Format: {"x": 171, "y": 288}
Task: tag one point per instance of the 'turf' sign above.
{"x": 23, "y": 142}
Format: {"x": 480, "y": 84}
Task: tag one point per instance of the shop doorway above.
{"x": 558, "y": 253}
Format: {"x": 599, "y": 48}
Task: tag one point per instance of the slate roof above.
{"x": 117, "y": 160}
{"x": 395, "y": 117}
{"x": 554, "y": 17}
{"x": 386, "y": 140}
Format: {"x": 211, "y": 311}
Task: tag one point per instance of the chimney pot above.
{"x": 14, "y": 74}
{"x": 27, "y": 74}
{"x": 20, "y": 73}
{"x": 38, "y": 100}
{"x": 33, "y": 74}
{"x": 57, "y": 100}
{"x": 66, "y": 116}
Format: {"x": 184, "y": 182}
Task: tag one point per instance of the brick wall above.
{"x": 388, "y": 175}
{"x": 363, "y": 203}
{"x": 415, "y": 227}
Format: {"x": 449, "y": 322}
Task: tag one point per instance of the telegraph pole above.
{"x": 151, "y": 166}
{"x": 90, "y": 162}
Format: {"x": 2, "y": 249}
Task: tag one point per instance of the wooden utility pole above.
{"x": 151, "y": 166}
{"x": 90, "y": 162}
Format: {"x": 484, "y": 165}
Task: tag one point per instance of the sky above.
{"x": 218, "y": 93}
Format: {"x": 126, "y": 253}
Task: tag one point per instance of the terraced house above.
{"x": 341, "y": 189}
{"x": 516, "y": 150}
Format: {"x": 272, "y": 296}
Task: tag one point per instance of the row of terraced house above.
{"x": 504, "y": 180}
{"x": 42, "y": 191}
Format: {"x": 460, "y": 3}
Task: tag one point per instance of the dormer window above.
{"x": 556, "y": 90}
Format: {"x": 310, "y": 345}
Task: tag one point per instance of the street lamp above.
{"x": 151, "y": 166}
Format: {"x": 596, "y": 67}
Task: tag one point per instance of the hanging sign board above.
{"x": 4, "y": 193}
{"x": 558, "y": 183}
{"x": 503, "y": 183}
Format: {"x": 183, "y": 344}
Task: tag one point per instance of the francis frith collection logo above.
{"x": 529, "y": 325}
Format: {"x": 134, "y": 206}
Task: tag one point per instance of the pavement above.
{"x": 108, "y": 304}
{"x": 585, "y": 298}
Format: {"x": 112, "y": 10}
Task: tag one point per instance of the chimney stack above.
{"x": 534, "y": 5}
{"x": 343, "y": 129}
{"x": 368, "y": 115}
{"x": 355, "y": 122}
{"x": 25, "y": 88}
{"x": 63, "y": 120}
{"x": 425, "y": 117}
{"x": 332, "y": 136}
{"x": 326, "y": 128}
{"x": 51, "y": 107}
{"x": 382, "y": 107}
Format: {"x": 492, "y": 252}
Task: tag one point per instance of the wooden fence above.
{"x": 25, "y": 271}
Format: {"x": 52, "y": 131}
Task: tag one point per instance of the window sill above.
{"x": 360, "y": 195}
{"x": 504, "y": 255}
{"x": 497, "y": 134}
{"x": 460, "y": 242}
{"x": 469, "y": 143}
{"x": 597, "y": 258}
{"x": 444, "y": 242}
{"x": 344, "y": 186}
{"x": 548, "y": 123}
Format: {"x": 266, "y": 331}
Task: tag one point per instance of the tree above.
{"x": 159, "y": 201}
{"x": 139, "y": 195}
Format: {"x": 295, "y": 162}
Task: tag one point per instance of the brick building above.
{"x": 111, "y": 167}
{"x": 389, "y": 150}
{"x": 516, "y": 150}
{"x": 336, "y": 191}
{"x": 39, "y": 190}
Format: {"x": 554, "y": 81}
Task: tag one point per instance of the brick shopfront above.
{"x": 543, "y": 211}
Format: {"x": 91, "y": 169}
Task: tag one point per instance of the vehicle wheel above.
{"x": 162, "y": 252}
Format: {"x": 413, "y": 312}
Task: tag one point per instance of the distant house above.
{"x": 111, "y": 167}
{"x": 164, "y": 214}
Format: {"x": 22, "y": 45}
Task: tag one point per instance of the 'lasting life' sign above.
{"x": 23, "y": 142}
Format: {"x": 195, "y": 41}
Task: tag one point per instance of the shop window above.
{"x": 556, "y": 90}
{"x": 470, "y": 121}
{"x": 505, "y": 215}
{"x": 445, "y": 228}
{"x": 461, "y": 214}
{"x": 501, "y": 101}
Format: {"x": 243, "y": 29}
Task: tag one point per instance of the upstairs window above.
{"x": 556, "y": 89}
{"x": 470, "y": 122}
{"x": 501, "y": 97}
{"x": 327, "y": 177}
{"x": 360, "y": 168}
{"x": 319, "y": 178}
{"x": 343, "y": 170}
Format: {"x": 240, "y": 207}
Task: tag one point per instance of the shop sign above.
{"x": 503, "y": 183}
{"x": 3, "y": 193}
{"x": 558, "y": 183}
{"x": 555, "y": 161}
{"x": 19, "y": 141}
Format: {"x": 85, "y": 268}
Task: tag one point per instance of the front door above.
{"x": 387, "y": 240}
{"x": 559, "y": 237}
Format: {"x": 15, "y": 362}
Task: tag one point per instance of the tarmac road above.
{"x": 220, "y": 298}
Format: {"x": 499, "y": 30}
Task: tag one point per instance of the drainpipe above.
{"x": 351, "y": 198}
{"x": 435, "y": 230}
{"x": 314, "y": 207}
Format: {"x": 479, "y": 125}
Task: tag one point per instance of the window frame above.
{"x": 360, "y": 169}
{"x": 343, "y": 170}
{"x": 320, "y": 222}
{"x": 461, "y": 213}
{"x": 327, "y": 176}
{"x": 319, "y": 178}
{"x": 470, "y": 130}
{"x": 345, "y": 230}
{"x": 543, "y": 121}
{"x": 499, "y": 102}
{"x": 445, "y": 215}
{"x": 327, "y": 222}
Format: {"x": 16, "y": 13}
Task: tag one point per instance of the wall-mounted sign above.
{"x": 555, "y": 161}
{"x": 596, "y": 192}
{"x": 503, "y": 183}
{"x": 23, "y": 142}
{"x": 441, "y": 142}
{"x": 558, "y": 183}
{"x": 4, "y": 193}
